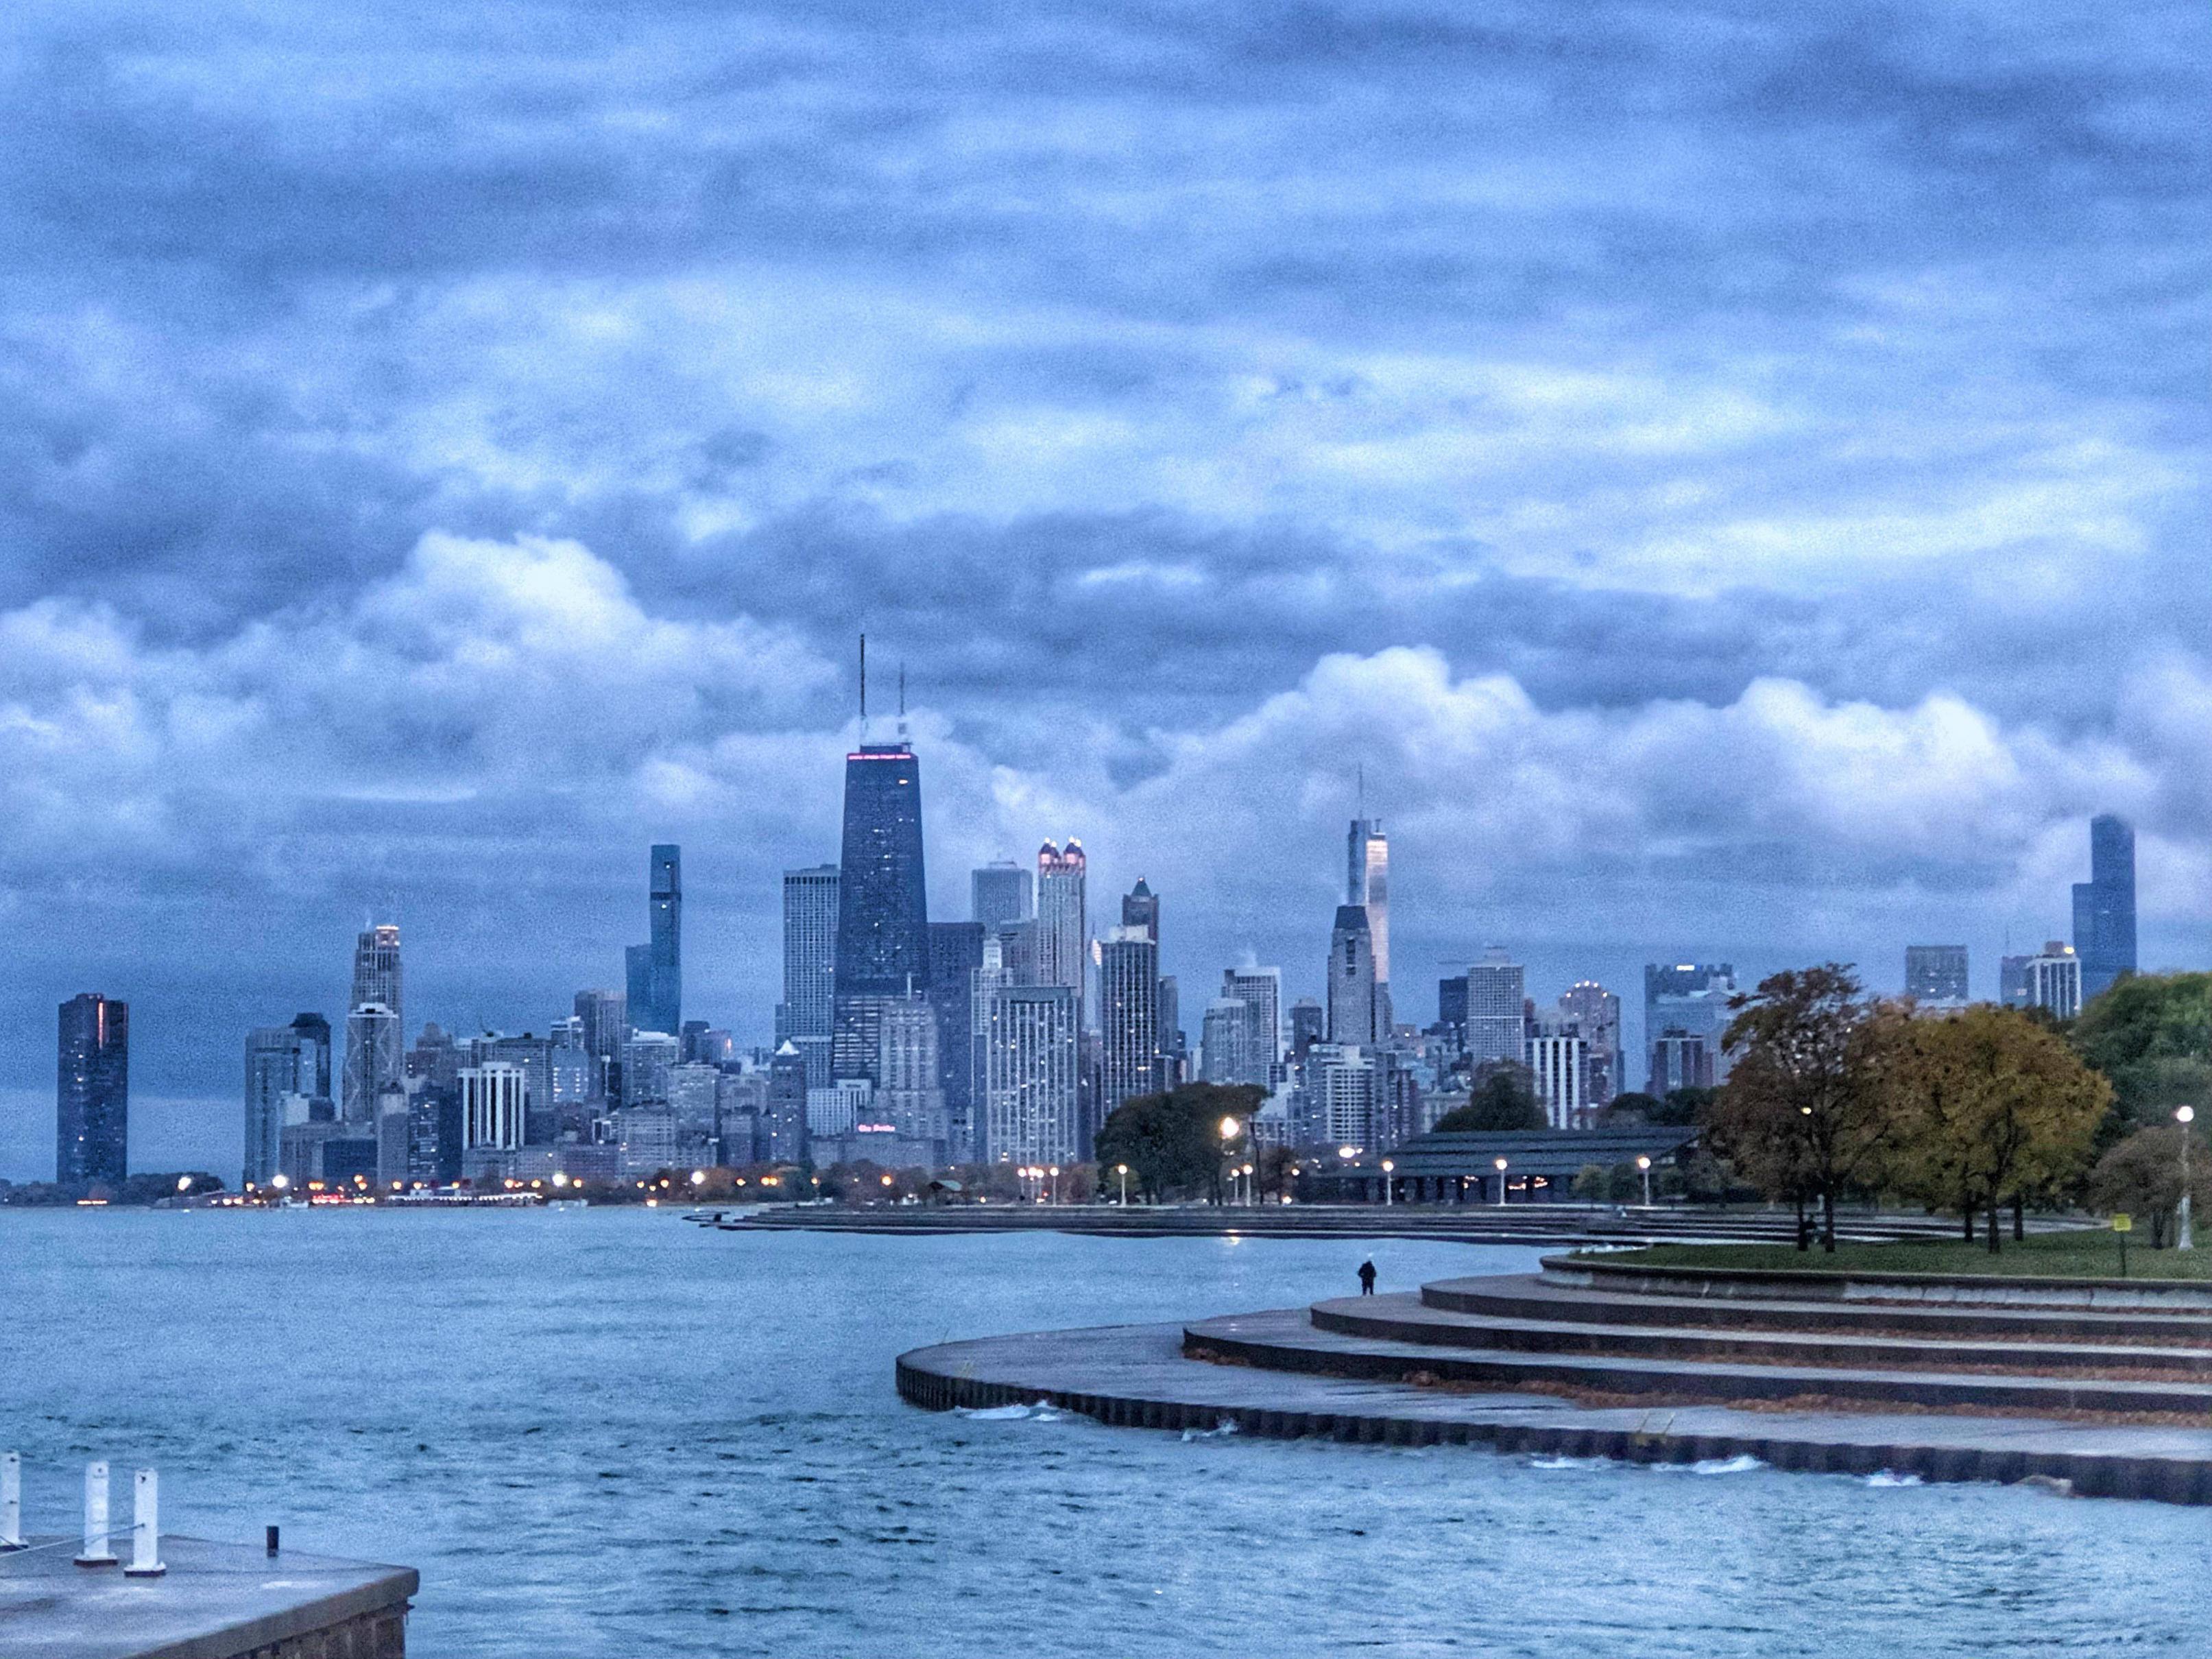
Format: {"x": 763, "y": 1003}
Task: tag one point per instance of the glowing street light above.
{"x": 698, "y": 1177}
{"x": 1644, "y": 1163}
{"x": 184, "y": 1183}
{"x": 1122, "y": 1170}
{"x": 2185, "y": 1239}
{"x": 1388, "y": 1165}
{"x": 1501, "y": 1179}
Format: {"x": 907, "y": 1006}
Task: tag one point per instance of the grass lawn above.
{"x": 2069, "y": 1255}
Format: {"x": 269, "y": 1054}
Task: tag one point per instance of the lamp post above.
{"x": 1387, "y": 1167}
{"x": 1501, "y": 1181}
{"x": 1228, "y": 1139}
{"x": 2183, "y": 1238}
{"x": 1052, "y": 1187}
{"x": 1122, "y": 1170}
{"x": 1249, "y": 1199}
{"x": 1644, "y": 1163}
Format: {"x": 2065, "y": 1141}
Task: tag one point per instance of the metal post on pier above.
{"x": 11, "y": 1500}
{"x": 145, "y": 1526}
{"x": 96, "y": 1552}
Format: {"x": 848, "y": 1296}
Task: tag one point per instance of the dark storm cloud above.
{"x": 1685, "y": 452}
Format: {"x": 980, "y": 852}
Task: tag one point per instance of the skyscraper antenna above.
{"x": 1363, "y": 792}
{"x": 863, "y": 687}
{"x": 902, "y": 690}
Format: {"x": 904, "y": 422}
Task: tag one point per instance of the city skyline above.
{"x": 1574, "y": 966}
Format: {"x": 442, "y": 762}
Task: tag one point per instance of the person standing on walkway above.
{"x": 1367, "y": 1277}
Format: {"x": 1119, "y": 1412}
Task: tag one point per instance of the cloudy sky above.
{"x": 1734, "y": 474}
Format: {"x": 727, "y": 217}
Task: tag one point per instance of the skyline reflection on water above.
{"x": 609, "y": 1432}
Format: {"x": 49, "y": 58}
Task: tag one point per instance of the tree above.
{"x": 1503, "y": 1098}
{"x": 1986, "y": 1107}
{"x": 1172, "y": 1142}
{"x": 2142, "y": 1176}
{"x": 2152, "y": 1035}
{"x": 1634, "y": 1107}
{"x": 1796, "y": 1117}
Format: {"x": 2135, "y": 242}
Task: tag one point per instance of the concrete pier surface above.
{"x": 214, "y": 1602}
{"x": 1346, "y": 1371}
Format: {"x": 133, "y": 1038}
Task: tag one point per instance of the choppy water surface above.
{"x": 607, "y": 1432}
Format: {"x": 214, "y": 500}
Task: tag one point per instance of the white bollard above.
{"x": 96, "y": 1552}
{"x": 145, "y": 1526}
{"x": 11, "y": 1501}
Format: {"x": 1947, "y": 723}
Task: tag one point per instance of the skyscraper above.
{"x": 883, "y": 906}
{"x": 1031, "y": 1051}
{"x": 1352, "y": 1007}
{"x": 1000, "y": 892}
{"x": 1496, "y": 1008}
{"x": 1595, "y": 1014}
{"x": 2052, "y": 980}
{"x": 655, "y": 968}
{"x": 374, "y": 1053}
{"x": 1261, "y": 989}
{"x": 2105, "y": 906}
{"x": 1685, "y": 1015}
{"x": 1557, "y": 1054}
{"x": 92, "y": 1092}
{"x": 1308, "y": 1024}
{"x": 956, "y": 952}
{"x": 281, "y": 1061}
{"x": 1225, "y": 1041}
{"x": 806, "y": 1017}
{"x": 1935, "y": 975}
{"x": 784, "y": 1125}
{"x": 1129, "y": 1005}
{"x": 603, "y": 1019}
{"x": 1063, "y": 922}
{"x": 1367, "y": 884}
{"x": 910, "y": 1090}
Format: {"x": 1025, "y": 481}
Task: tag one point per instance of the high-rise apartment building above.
{"x": 1685, "y": 1006}
{"x": 1129, "y": 1008}
{"x": 603, "y": 1018}
{"x": 1308, "y": 1024}
{"x": 806, "y": 1017}
{"x": 1352, "y": 1007}
{"x": 655, "y": 968}
{"x": 92, "y": 1092}
{"x": 2052, "y": 980}
{"x": 2105, "y": 906}
{"x": 910, "y": 1088}
{"x": 1225, "y": 1040}
{"x": 374, "y": 1046}
{"x": 1063, "y": 923}
{"x": 1935, "y": 975}
{"x": 1031, "y": 1047}
{"x": 1367, "y": 884}
{"x": 1348, "y": 1088}
{"x": 783, "y": 1127}
{"x": 1261, "y": 989}
{"x": 1001, "y": 892}
{"x": 1557, "y": 1054}
{"x": 1451, "y": 1009}
{"x": 281, "y": 1062}
{"x": 882, "y": 905}
{"x": 1496, "y": 1008}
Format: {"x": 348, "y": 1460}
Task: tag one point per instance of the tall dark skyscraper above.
{"x": 1001, "y": 893}
{"x": 375, "y": 1054}
{"x": 883, "y": 906}
{"x": 655, "y": 968}
{"x": 805, "y": 1016}
{"x": 92, "y": 1092}
{"x": 956, "y": 952}
{"x": 2105, "y": 905}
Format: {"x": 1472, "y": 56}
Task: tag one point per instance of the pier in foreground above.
{"x": 2111, "y": 1399}
{"x": 212, "y": 1601}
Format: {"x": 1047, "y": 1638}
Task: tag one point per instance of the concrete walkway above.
{"x": 1138, "y": 1375}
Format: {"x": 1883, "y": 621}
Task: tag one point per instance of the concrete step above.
{"x": 1528, "y": 1296}
{"x": 1406, "y": 1318}
{"x": 1331, "y": 1354}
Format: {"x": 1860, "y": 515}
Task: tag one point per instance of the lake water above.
{"x": 609, "y": 1432}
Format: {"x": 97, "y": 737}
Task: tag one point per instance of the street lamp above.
{"x": 1644, "y": 1163}
{"x": 1248, "y": 1198}
{"x": 1228, "y": 1139}
{"x": 2183, "y": 1238}
{"x": 1501, "y": 1180}
{"x": 1052, "y": 1192}
{"x": 1387, "y": 1167}
{"x": 1122, "y": 1170}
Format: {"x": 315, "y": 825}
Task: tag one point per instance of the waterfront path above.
{"x": 1143, "y": 1375}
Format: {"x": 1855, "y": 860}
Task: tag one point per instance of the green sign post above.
{"x": 2124, "y": 1224}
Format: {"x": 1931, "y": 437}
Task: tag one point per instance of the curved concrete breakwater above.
{"x": 1940, "y": 1378}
